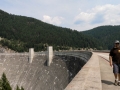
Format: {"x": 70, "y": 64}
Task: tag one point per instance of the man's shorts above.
{"x": 116, "y": 68}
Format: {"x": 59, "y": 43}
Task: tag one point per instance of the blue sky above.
{"x": 78, "y": 15}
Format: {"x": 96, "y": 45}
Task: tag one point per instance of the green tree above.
{"x": 22, "y": 88}
{"x": 18, "y": 88}
{"x": 5, "y": 83}
{"x": 0, "y": 84}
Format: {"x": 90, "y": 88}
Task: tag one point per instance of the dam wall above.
{"x": 74, "y": 60}
{"x": 37, "y": 75}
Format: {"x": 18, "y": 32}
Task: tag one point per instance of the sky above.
{"x": 77, "y": 15}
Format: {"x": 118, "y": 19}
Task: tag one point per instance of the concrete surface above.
{"x": 88, "y": 78}
{"x": 96, "y": 74}
{"x": 74, "y": 61}
{"x": 31, "y": 55}
{"x": 37, "y": 75}
{"x": 107, "y": 77}
{"x": 49, "y": 55}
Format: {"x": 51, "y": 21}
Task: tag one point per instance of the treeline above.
{"x": 5, "y": 85}
{"x": 22, "y": 33}
{"x": 105, "y": 34}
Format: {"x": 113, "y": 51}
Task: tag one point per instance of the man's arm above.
{"x": 110, "y": 60}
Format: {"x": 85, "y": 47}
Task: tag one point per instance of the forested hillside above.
{"x": 21, "y": 33}
{"x": 105, "y": 34}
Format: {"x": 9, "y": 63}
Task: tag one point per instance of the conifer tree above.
{"x": 0, "y": 84}
{"x": 5, "y": 83}
{"x": 18, "y": 88}
{"x": 22, "y": 88}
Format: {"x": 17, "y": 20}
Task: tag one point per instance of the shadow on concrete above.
{"x": 74, "y": 65}
{"x": 45, "y": 63}
{"x": 107, "y": 82}
{"x": 74, "y": 62}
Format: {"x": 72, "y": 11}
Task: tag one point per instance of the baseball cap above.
{"x": 117, "y": 41}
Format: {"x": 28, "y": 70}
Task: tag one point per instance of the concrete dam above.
{"x": 37, "y": 75}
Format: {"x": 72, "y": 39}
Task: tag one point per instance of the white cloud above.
{"x": 106, "y": 14}
{"x": 53, "y": 20}
{"x": 84, "y": 16}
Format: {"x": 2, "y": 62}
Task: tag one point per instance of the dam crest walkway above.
{"x": 96, "y": 74}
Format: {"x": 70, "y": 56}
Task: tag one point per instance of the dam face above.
{"x": 37, "y": 75}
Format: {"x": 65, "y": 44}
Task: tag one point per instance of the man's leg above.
{"x": 119, "y": 79}
{"x": 119, "y": 76}
{"x": 116, "y": 76}
{"x": 116, "y": 73}
{"x": 116, "y": 79}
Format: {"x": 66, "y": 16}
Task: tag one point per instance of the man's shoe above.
{"x": 116, "y": 83}
{"x": 119, "y": 83}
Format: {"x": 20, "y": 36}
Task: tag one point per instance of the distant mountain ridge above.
{"x": 22, "y": 33}
{"x": 105, "y": 34}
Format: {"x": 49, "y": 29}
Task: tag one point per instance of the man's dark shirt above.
{"x": 115, "y": 53}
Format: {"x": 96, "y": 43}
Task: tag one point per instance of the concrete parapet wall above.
{"x": 88, "y": 78}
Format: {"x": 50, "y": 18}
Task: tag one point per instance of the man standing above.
{"x": 114, "y": 58}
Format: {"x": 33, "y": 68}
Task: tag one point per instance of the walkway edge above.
{"x": 89, "y": 77}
